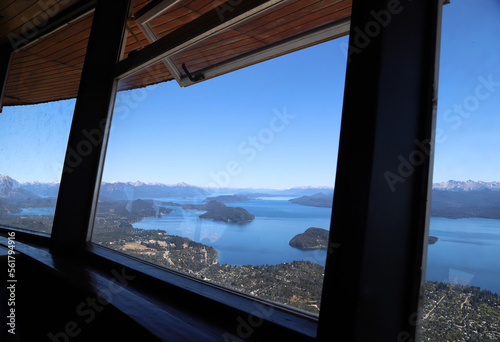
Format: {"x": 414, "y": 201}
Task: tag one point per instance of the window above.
{"x": 230, "y": 180}
{"x": 29, "y": 185}
{"x": 35, "y": 124}
{"x": 233, "y": 39}
{"x": 377, "y": 233}
{"x": 462, "y": 298}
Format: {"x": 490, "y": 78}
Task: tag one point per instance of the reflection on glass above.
{"x": 229, "y": 180}
{"x": 33, "y": 141}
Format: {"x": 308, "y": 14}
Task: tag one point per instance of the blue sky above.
{"x": 468, "y": 124}
{"x": 275, "y": 124}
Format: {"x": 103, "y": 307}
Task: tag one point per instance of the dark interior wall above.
{"x": 50, "y": 308}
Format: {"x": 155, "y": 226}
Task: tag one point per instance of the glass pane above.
{"x": 462, "y": 301}
{"x": 33, "y": 141}
{"x": 42, "y": 83}
{"x": 229, "y": 180}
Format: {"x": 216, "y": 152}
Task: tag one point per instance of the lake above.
{"x": 468, "y": 250}
{"x": 467, "y": 253}
{"x": 260, "y": 242}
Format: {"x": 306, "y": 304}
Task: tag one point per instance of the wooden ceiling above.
{"x": 23, "y": 18}
{"x": 50, "y": 68}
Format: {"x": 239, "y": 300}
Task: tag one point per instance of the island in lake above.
{"x": 312, "y": 238}
{"x": 217, "y": 211}
{"x": 433, "y": 239}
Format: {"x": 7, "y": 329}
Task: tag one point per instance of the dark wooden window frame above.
{"x": 377, "y": 254}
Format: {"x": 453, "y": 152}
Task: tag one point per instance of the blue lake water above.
{"x": 468, "y": 250}
{"x": 260, "y": 242}
{"x": 467, "y": 253}
{"x": 36, "y": 211}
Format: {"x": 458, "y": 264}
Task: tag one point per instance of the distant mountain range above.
{"x": 453, "y": 199}
{"x": 41, "y": 189}
{"x": 14, "y": 191}
{"x": 463, "y": 199}
{"x": 469, "y": 185}
{"x": 135, "y": 190}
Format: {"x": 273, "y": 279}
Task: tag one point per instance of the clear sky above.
{"x": 468, "y": 124}
{"x": 275, "y": 124}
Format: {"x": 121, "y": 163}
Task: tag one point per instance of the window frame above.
{"x": 313, "y": 37}
{"x": 347, "y": 303}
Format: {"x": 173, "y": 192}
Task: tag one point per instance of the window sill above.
{"x": 170, "y": 305}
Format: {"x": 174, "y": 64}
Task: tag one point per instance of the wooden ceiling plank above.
{"x": 34, "y": 100}
{"x": 298, "y": 19}
{"x": 145, "y": 74}
{"x": 220, "y": 55}
{"x": 138, "y": 4}
{"x": 13, "y": 16}
{"x": 43, "y": 90}
{"x": 40, "y": 12}
{"x": 77, "y": 42}
{"x": 202, "y": 7}
{"x": 44, "y": 95}
{"x": 28, "y": 85}
{"x": 6, "y": 4}
{"x": 212, "y": 44}
{"x": 160, "y": 78}
{"x": 174, "y": 13}
{"x": 55, "y": 74}
{"x": 63, "y": 56}
{"x": 60, "y": 97}
{"x": 49, "y": 70}
{"x": 161, "y": 29}
{"x": 315, "y": 19}
{"x": 64, "y": 35}
{"x": 157, "y": 71}
{"x": 17, "y": 9}
{"x": 28, "y": 67}
{"x": 195, "y": 30}
{"x": 72, "y": 60}
{"x": 20, "y": 60}
{"x": 132, "y": 43}
{"x": 3, "y": 9}
{"x": 320, "y": 21}
{"x": 42, "y": 63}
{"x": 27, "y": 11}
{"x": 292, "y": 10}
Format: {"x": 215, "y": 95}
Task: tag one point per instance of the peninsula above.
{"x": 229, "y": 198}
{"x": 318, "y": 200}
